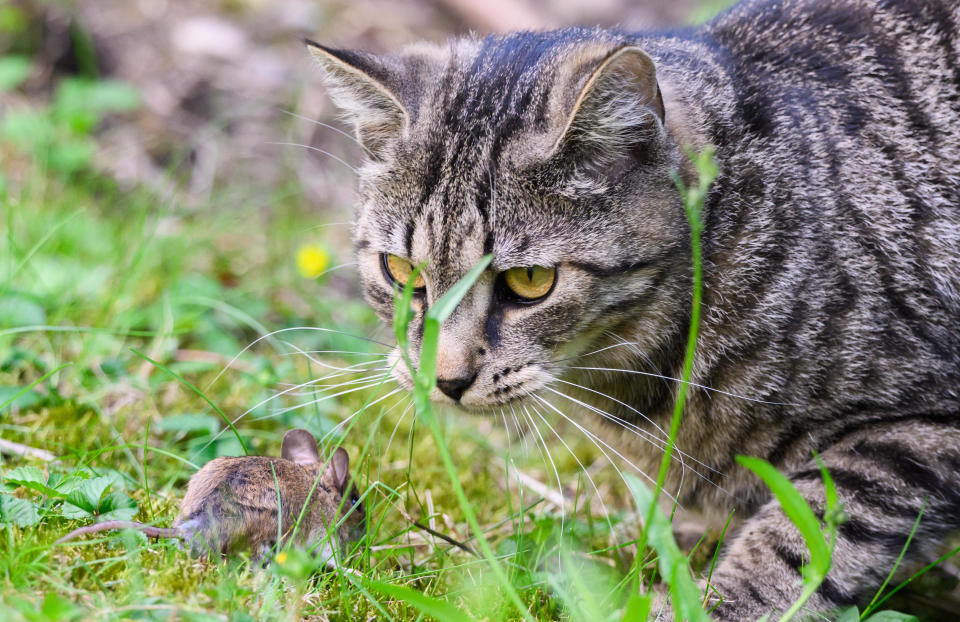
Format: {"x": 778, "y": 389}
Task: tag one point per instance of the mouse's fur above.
{"x": 231, "y": 504}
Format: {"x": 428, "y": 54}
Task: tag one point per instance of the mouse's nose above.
{"x": 454, "y": 387}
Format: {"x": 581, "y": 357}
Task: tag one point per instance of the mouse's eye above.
{"x": 398, "y": 270}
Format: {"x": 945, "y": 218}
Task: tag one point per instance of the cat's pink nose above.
{"x": 455, "y": 387}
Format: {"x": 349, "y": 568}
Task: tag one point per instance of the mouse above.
{"x": 231, "y": 505}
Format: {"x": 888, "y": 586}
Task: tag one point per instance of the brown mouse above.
{"x": 231, "y": 504}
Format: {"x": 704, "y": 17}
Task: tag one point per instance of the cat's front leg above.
{"x": 884, "y": 476}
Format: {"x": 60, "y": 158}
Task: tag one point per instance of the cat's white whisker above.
{"x": 599, "y": 441}
{"x": 403, "y": 416}
{"x": 691, "y": 384}
{"x": 286, "y": 330}
{"x": 320, "y": 363}
{"x": 318, "y": 150}
{"x": 545, "y": 454}
{"x": 657, "y": 442}
{"x": 329, "y": 127}
{"x": 593, "y": 484}
{"x": 358, "y": 411}
{"x": 322, "y": 399}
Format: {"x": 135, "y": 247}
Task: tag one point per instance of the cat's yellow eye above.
{"x": 530, "y": 283}
{"x": 399, "y": 271}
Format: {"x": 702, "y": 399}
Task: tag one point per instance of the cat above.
{"x": 831, "y": 309}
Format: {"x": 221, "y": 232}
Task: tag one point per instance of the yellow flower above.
{"x": 312, "y": 260}
{"x": 281, "y": 558}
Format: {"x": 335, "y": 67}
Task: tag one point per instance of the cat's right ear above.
{"x": 359, "y": 85}
{"x": 610, "y": 108}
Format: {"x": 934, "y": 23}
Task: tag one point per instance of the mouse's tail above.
{"x": 148, "y": 530}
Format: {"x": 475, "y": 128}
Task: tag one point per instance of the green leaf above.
{"x": 851, "y": 614}
{"x": 31, "y": 477}
{"x": 685, "y": 596}
{"x": 88, "y": 494}
{"x": 796, "y": 510}
{"x": 20, "y": 512}
{"x": 19, "y": 311}
{"x": 891, "y": 616}
{"x": 56, "y": 608}
{"x": 403, "y": 312}
{"x": 13, "y": 71}
{"x": 444, "y": 306}
{"x": 428, "y": 605}
{"x": 117, "y": 506}
{"x": 638, "y": 608}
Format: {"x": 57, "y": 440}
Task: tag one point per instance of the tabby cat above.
{"x": 832, "y": 255}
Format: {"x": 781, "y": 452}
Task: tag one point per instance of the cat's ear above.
{"x": 360, "y": 85}
{"x": 616, "y": 110}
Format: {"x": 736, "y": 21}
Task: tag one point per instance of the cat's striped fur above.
{"x": 832, "y": 245}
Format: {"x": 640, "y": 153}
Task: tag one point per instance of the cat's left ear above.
{"x": 364, "y": 87}
{"x": 613, "y": 106}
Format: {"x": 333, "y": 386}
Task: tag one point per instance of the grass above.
{"x": 134, "y": 347}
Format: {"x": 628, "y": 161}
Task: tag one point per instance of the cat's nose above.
{"x": 454, "y": 387}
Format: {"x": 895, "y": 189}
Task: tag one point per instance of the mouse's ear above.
{"x": 299, "y": 446}
{"x": 339, "y": 468}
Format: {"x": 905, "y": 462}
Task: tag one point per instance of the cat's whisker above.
{"x": 329, "y": 127}
{"x": 691, "y": 384}
{"x": 593, "y": 484}
{"x": 326, "y": 387}
{"x": 633, "y": 427}
{"x": 343, "y": 352}
{"x": 548, "y": 461}
{"x": 316, "y": 361}
{"x": 288, "y": 391}
{"x": 597, "y": 441}
{"x": 283, "y": 411}
{"x": 286, "y": 330}
{"x": 362, "y": 409}
{"x": 318, "y": 150}
{"x": 656, "y": 442}
{"x": 403, "y": 416}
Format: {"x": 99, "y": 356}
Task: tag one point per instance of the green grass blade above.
{"x": 873, "y": 602}
{"x": 444, "y": 306}
{"x": 31, "y": 385}
{"x": 438, "y": 609}
{"x": 203, "y": 395}
{"x": 674, "y": 567}
{"x": 796, "y": 510}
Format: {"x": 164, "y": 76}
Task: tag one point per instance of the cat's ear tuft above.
{"x": 614, "y": 108}
{"x": 360, "y": 85}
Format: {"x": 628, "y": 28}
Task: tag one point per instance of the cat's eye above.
{"x": 398, "y": 270}
{"x": 530, "y": 284}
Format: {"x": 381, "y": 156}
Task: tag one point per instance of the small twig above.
{"x": 445, "y": 538}
{"x": 16, "y": 449}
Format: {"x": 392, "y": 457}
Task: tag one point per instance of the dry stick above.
{"x": 16, "y": 449}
